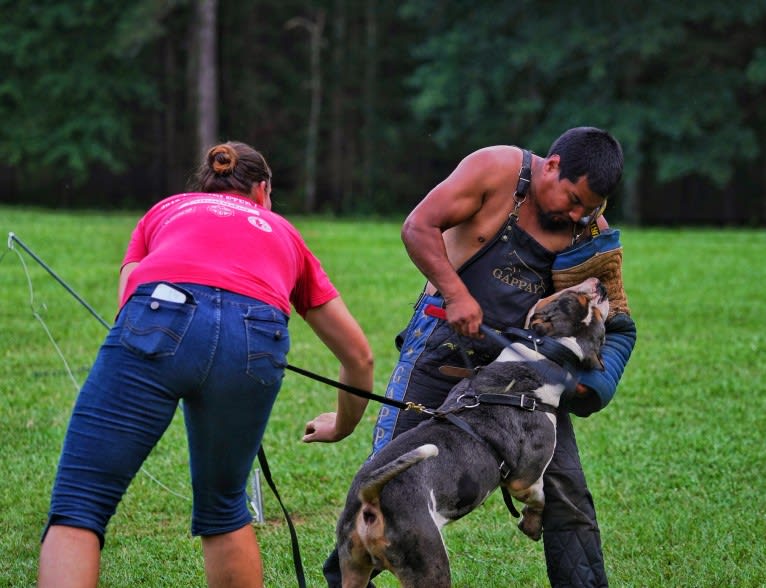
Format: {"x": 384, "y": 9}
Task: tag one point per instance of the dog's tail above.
{"x": 376, "y": 480}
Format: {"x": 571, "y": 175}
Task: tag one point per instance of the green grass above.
{"x": 676, "y": 463}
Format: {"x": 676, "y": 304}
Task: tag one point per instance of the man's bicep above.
{"x": 460, "y": 196}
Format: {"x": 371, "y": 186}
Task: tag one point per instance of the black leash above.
{"x": 297, "y": 561}
{"x": 358, "y": 391}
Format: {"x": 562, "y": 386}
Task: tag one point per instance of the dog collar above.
{"x": 547, "y": 346}
{"x": 527, "y": 402}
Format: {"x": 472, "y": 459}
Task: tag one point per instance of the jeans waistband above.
{"x": 429, "y": 300}
{"x": 198, "y": 293}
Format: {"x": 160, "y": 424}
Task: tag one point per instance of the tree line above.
{"x": 361, "y": 106}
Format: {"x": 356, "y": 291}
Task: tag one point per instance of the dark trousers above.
{"x": 571, "y": 537}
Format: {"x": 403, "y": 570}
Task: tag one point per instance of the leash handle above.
{"x": 436, "y": 311}
{"x": 441, "y": 313}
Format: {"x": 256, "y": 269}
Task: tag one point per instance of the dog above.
{"x": 496, "y": 428}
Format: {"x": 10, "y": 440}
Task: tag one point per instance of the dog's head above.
{"x": 575, "y": 315}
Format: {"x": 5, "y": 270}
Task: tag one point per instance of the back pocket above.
{"x": 268, "y": 342}
{"x": 155, "y": 328}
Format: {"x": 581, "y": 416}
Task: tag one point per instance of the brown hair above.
{"x": 231, "y": 167}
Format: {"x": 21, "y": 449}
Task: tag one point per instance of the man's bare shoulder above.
{"x": 499, "y": 156}
{"x": 489, "y": 168}
{"x": 496, "y": 169}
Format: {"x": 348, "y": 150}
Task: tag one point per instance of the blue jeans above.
{"x": 222, "y": 353}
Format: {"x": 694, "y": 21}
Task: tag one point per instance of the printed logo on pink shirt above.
{"x": 259, "y": 223}
{"x": 220, "y": 210}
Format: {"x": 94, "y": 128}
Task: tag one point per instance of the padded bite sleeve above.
{"x": 599, "y": 257}
{"x": 620, "y": 340}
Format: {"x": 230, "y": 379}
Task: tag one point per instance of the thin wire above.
{"x": 42, "y": 322}
{"x": 58, "y": 349}
{"x": 12, "y": 237}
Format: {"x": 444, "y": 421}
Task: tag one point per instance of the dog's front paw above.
{"x": 531, "y": 524}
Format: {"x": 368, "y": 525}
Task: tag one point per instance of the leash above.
{"x": 548, "y": 347}
{"x": 297, "y": 561}
{"x": 359, "y": 392}
{"x": 521, "y": 401}
{"x": 12, "y": 238}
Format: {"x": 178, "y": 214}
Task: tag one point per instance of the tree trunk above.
{"x": 370, "y": 93}
{"x": 207, "y": 74}
{"x": 316, "y": 30}
{"x": 337, "y": 104}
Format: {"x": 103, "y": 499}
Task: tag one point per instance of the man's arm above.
{"x": 600, "y": 257}
{"x": 453, "y": 202}
{"x": 602, "y": 385}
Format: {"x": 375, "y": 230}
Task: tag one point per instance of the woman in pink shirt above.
{"x": 206, "y": 290}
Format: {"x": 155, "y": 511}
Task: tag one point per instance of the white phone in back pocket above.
{"x": 166, "y": 292}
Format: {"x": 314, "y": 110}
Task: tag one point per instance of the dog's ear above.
{"x": 540, "y": 325}
{"x": 591, "y": 347}
{"x": 593, "y": 361}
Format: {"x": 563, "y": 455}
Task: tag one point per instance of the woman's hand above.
{"x": 322, "y": 429}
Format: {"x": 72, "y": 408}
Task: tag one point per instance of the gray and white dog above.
{"x": 496, "y": 428}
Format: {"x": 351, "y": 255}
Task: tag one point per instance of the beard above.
{"x": 552, "y": 221}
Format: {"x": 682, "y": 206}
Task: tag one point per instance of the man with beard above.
{"x": 492, "y": 239}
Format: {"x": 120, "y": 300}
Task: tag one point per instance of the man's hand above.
{"x": 465, "y": 315}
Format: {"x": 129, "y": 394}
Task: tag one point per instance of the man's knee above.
{"x": 568, "y": 502}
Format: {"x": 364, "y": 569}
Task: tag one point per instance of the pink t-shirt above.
{"x": 227, "y": 241}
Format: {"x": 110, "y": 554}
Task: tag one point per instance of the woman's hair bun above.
{"x": 222, "y": 159}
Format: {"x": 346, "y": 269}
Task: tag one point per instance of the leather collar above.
{"x": 547, "y": 346}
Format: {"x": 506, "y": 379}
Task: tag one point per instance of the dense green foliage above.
{"x": 99, "y": 107}
{"x": 667, "y": 78}
{"x": 70, "y": 85}
{"x": 675, "y": 462}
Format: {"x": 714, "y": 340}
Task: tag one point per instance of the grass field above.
{"x": 676, "y": 463}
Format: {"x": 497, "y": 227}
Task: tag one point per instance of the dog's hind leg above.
{"x": 355, "y": 577}
{"x": 355, "y": 563}
{"x": 421, "y": 561}
{"x": 531, "y": 523}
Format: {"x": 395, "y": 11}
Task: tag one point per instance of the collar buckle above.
{"x": 527, "y": 402}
